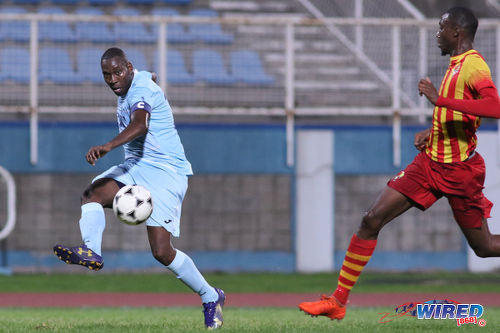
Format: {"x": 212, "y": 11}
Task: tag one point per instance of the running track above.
{"x": 233, "y": 299}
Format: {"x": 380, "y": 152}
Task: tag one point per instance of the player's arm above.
{"x": 139, "y": 124}
{"x": 487, "y": 106}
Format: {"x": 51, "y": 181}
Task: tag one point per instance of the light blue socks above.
{"x": 92, "y": 225}
{"x": 185, "y": 270}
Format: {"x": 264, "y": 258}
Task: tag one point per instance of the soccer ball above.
{"x": 133, "y": 204}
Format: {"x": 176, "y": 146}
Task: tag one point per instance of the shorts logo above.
{"x": 399, "y": 176}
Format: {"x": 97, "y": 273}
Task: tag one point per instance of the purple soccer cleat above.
{"x": 213, "y": 311}
{"x": 79, "y": 255}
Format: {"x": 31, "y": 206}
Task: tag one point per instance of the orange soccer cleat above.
{"x": 327, "y": 306}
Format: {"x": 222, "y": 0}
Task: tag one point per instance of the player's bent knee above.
{"x": 370, "y": 224}
{"x": 483, "y": 251}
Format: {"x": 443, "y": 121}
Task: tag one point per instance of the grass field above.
{"x": 237, "y": 320}
{"x": 241, "y": 320}
{"x": 258, "y": 282}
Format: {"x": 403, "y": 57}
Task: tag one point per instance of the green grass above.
{"x": 258, "y": 282}
{"x": 237, "y": 320}
{"x": 241, "y": 320}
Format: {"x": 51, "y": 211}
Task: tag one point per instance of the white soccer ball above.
{"x": 133, "y": 204}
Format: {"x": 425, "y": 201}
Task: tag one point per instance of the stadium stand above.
{"x": 88, "y": 62}
{"x": 246, "y": 67}
{"x": 176, "y": 33}
{"x": 102, "y": 2}
{"x": 26, "y": 2}
{"x": 209, "y": 67}
{"x": 55, "y": 31}
{"x": 208, "y": 32}
{"x": 98, "y": 32}
{"x": 65, "y": 2}
{"x": 138, "y": 59}
{"x": 176, "y": 68}
{"x": 56, "y": 66}
{"x": 14, "y": 30}
{"x": 140, "y": 2}
{"x": 15, "y": 64}
{"x": 131, "y": 32}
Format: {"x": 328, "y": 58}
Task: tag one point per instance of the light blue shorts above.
{"x": 167, "y": 189}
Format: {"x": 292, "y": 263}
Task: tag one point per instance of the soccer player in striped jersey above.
{"x": 447, "y": 164}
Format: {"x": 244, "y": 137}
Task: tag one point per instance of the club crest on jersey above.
{"x": 456, "y": 69}
{"x": 399, "y": 176}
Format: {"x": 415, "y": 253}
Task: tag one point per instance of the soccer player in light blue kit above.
{"x": 154, "y": 158}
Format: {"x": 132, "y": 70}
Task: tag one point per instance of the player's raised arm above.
{"x": 138, "y": 126}
{"x": 487, "y": 106}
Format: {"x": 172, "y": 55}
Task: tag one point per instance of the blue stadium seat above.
{"x": 55, "y": 65}
{"x": 176, "y": 2}
{"x": 102, "y": 2}
{"x": 175, "y": 31}
{"x": 26, "y": 2}
{"x": 129, "y": 31}
{"x": 89, "y": 65}
{"x": 246, "y": 67}
{"x": 98, "y": 32}
{"x": 208, "y": 32}
{"x": 176, "y": 68}
{"x": 18, "y": 31}
{"x": 137, "y": 58}
{"x": 15, "y": 64}
{"x": 55, "y": 31}
{"x": 208, "y": 66}
{"x": 140, "y": 2}
{"x": 65, "y": 2}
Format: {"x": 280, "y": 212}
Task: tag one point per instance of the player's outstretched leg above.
{"x": 79, "y": 255}
{"x": 357, "y": 256}
{"x": 213, "y": 311}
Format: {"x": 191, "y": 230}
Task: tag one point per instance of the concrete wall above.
{"x": 240, "y": 212}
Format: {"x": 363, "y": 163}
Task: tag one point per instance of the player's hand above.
{"x": 97, "y": 152}
{"x": 421, "y": 139}
{"x": 426, "y": 88}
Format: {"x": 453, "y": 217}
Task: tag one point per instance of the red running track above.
{"x": 233, "y": 299}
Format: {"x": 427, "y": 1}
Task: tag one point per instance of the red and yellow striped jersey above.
{"x": 453, "y": 134}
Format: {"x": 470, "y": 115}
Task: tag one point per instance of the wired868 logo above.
{"x": 462, "y": 313}
{"x": 438, "y": 309}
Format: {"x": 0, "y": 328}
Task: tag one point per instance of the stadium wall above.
{"x": 240, "y": 210}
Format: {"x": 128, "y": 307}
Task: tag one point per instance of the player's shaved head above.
{"x": 463, "y": 18}
{"x": 114, "y": 52}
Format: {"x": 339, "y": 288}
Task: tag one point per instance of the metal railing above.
{"x": 389, "y": 69}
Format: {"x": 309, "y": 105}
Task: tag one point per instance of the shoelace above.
{"x": 209, "y": 312}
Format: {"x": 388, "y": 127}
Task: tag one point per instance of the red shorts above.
{"x": 424, "y": 181}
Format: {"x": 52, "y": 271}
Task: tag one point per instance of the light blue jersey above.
{"x": 155, "y": 160}
{"x": 161, "y": 146}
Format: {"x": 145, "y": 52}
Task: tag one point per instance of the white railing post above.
{"x": 162, "y": 57}
{"x": 290, "y": 94}
{"x": 358, "y": 29}
{"x": 34, "y": 91}
{"x": 396, "y": 94}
